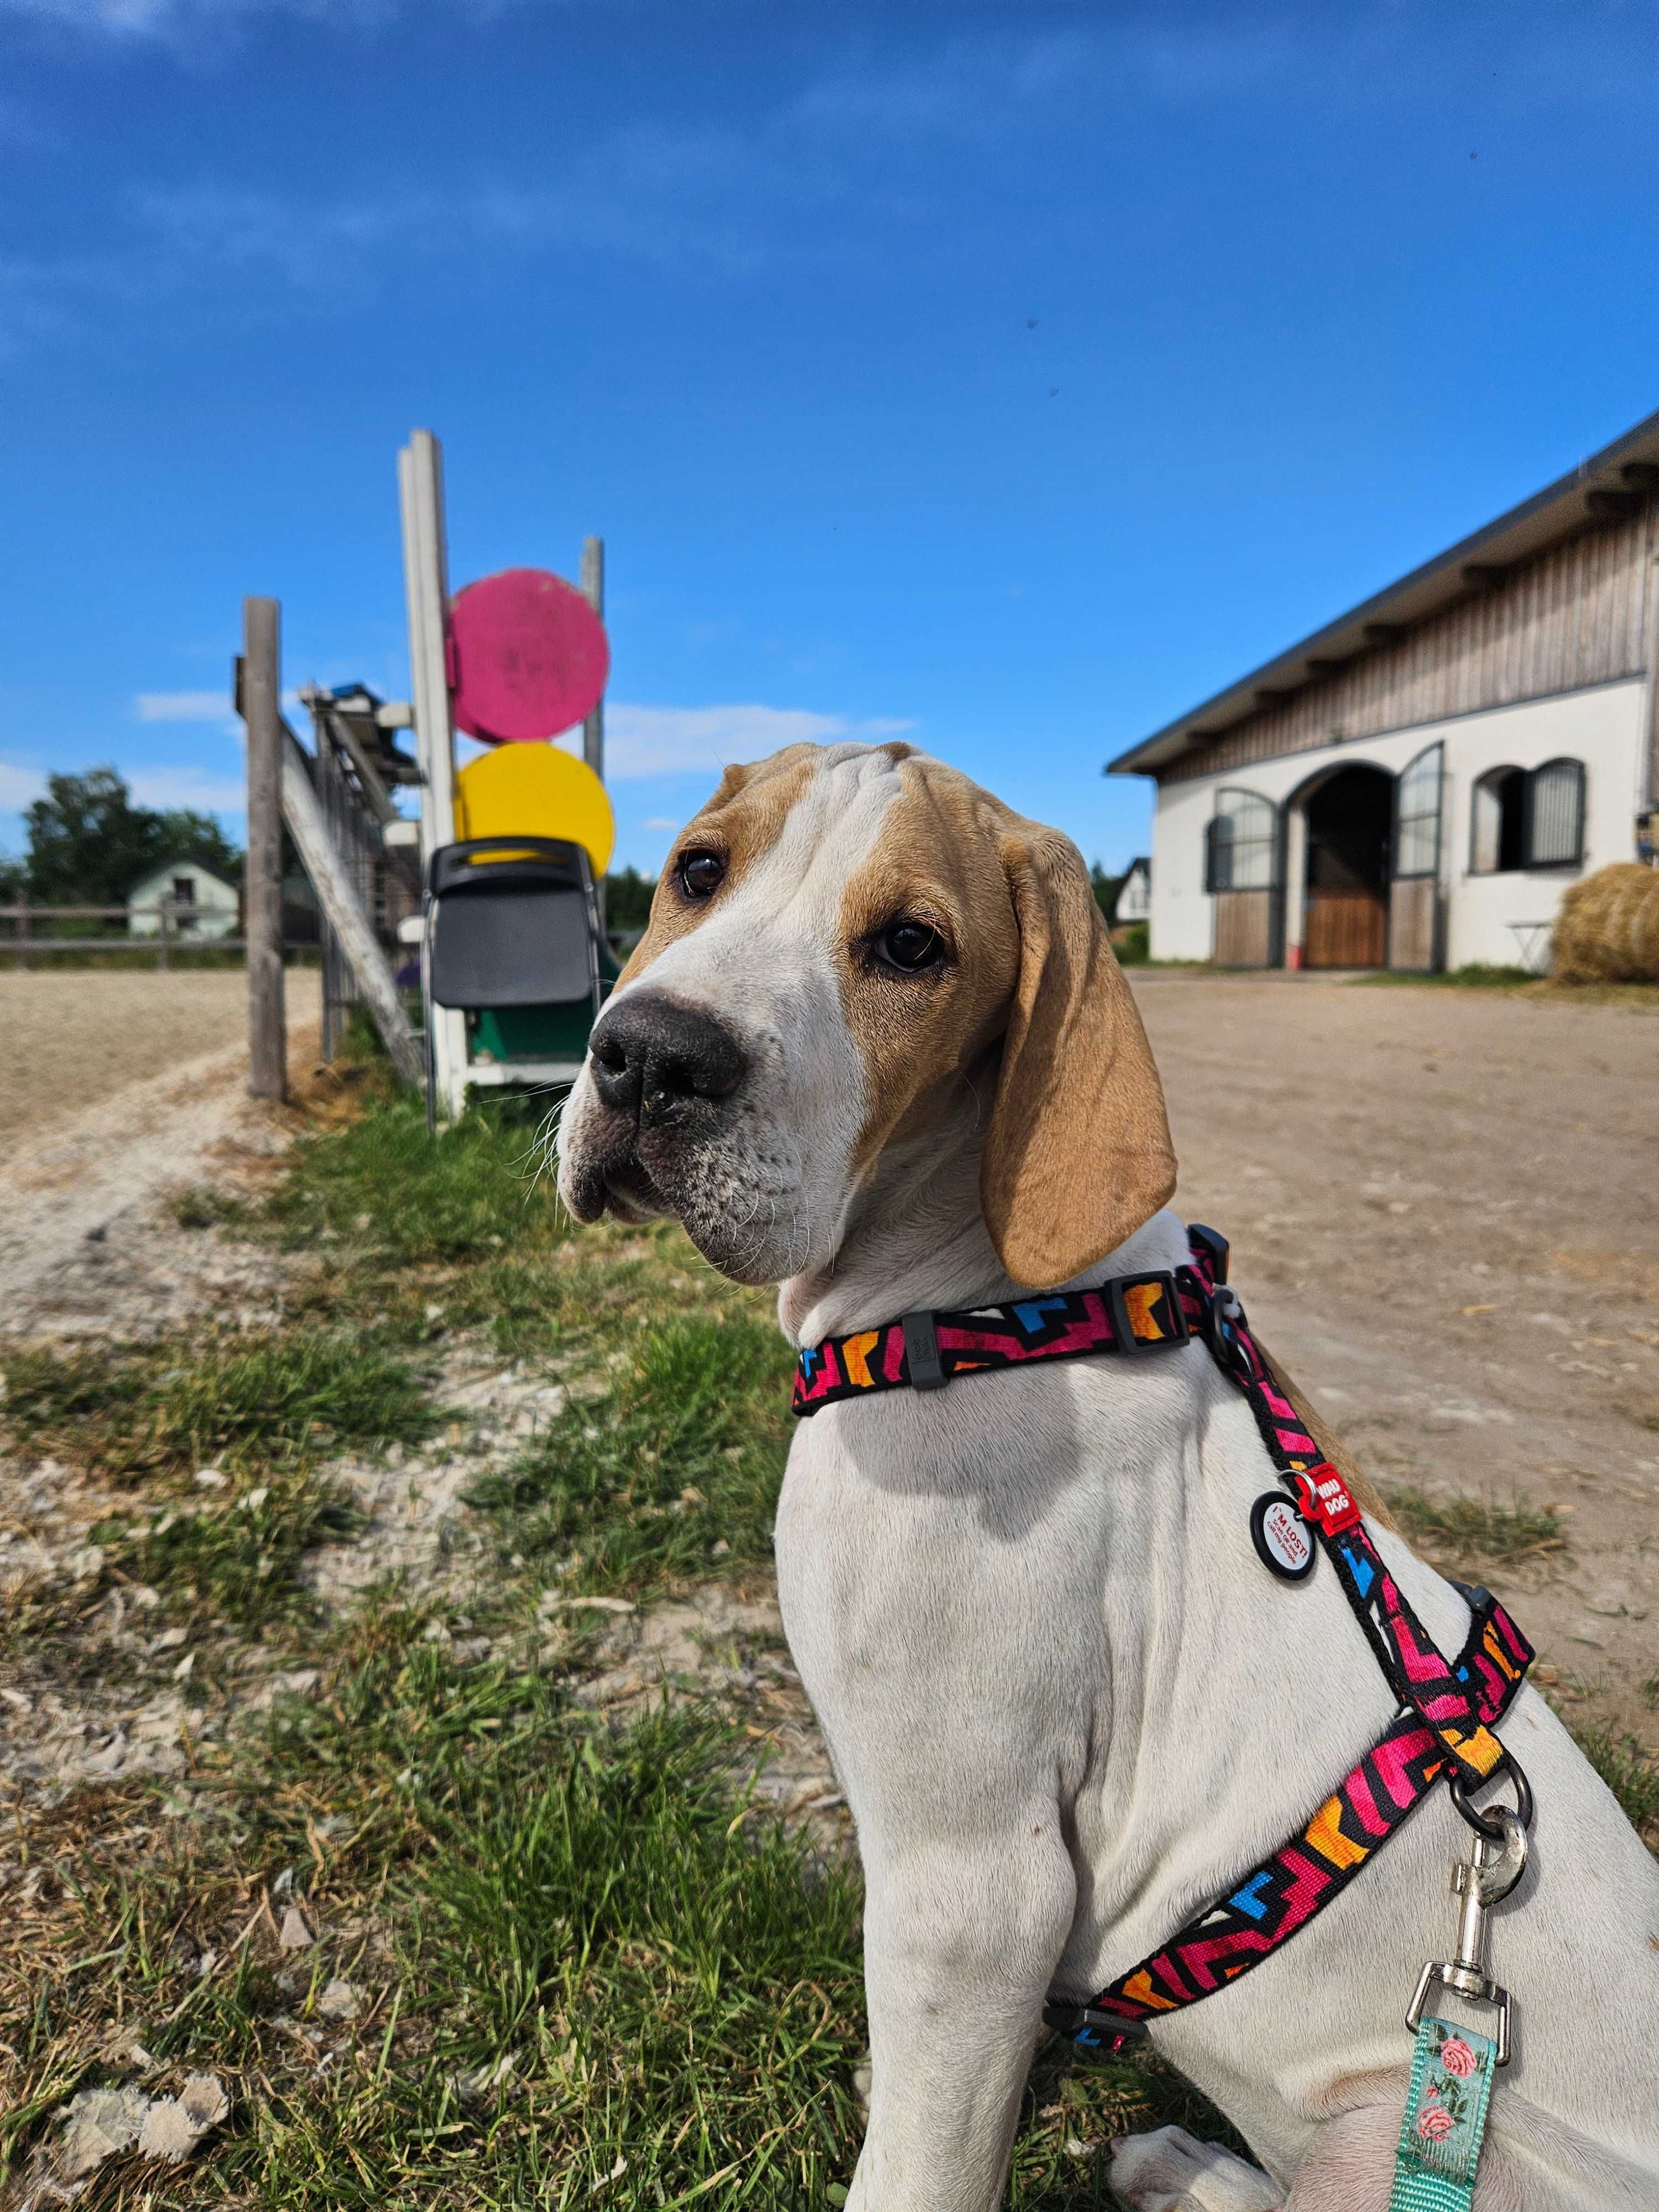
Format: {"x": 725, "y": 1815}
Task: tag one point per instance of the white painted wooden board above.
{"x": 350, "y": 924}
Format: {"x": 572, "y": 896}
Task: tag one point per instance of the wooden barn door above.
{"x": 1243, "y": 929}
{"x": 1414, "y": 892}
{"x": 1241, "y": 873}
{"x": 1350, "y": 818}
{"x": 1346, "y": 929}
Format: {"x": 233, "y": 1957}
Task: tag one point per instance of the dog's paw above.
{"x": 1168, "y": 2172}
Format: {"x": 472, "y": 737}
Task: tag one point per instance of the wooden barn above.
{"x": 1416, "y": 785}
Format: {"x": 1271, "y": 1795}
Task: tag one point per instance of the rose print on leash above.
{"x": 1445, "y": 2120}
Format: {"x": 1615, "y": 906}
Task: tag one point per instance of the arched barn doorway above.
{"x": 1349, "y": 822}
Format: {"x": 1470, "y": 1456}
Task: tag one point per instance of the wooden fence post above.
{"x": 593, "y": 728}
{"x": 261, "y": 707}
{"x": 594, "y": 592}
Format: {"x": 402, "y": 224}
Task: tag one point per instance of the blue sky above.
{"x": 1014, "y": 373}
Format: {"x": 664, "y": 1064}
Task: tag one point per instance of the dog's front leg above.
{"x": 959, "y": 1947}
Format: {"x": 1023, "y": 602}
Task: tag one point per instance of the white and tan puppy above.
{"x": 874, "y": 1048}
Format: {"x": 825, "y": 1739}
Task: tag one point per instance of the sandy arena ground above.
{"x": 1442, "y": 1206}
{"x": 73, "y": 1037}
{"x": 1442, "y": 1209}
{"x": 115, "y": 1091}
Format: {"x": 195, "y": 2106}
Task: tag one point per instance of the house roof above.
{"x": 1607, "y": 486}
{"x": 181, "y": 861}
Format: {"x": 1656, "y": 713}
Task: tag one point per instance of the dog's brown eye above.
{"x": 910, "y": 946}
{"x": 702, "y": 874}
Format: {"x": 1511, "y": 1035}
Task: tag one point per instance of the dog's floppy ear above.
{"x": 1078, "y": 1153}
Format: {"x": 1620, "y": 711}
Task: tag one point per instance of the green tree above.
{"x": 628, "y": 900}
{"x": 88, "y": 844}
{"x": 1106, "y": 888}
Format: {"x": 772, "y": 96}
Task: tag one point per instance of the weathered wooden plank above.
{"x": 260, "y": 701}
{"x": 1576, "y": 615}
{"x": 594, "y": 592}
{"x": 303, "y": 813}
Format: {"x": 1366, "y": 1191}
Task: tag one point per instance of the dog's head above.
{"x": 844, "y": 937}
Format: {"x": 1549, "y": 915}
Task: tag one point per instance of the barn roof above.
{"x": 180, "y": 861}
{"x": 1607, "y": 486}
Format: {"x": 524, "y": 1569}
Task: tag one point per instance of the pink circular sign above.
{"x": 527, "y": 657}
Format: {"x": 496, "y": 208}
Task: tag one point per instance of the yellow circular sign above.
{"x": 536, "y": 791}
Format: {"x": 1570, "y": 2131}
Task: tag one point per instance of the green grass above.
{"x": 394, "y": 1197}
{"x": 237, "y": 1559}
{"x": 571, "y": 1946}
{"x": 170, "y": 1407}
{"x": 1469, "y": 1531}
{"x": 1477, "y": 976}
{"x": 1631, "y": 1774}
{"x": 685, "y": 1451}
{"x": 573, "y": 1942}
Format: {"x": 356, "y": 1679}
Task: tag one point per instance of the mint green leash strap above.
{"x": 1445, "y": 2120}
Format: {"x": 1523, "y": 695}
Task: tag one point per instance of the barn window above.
{"x": 1416, "y": 815}
{"x": 1240, "y": 842}
{"x": 1555, "y": 815}
{"x": 1499, "y": 835}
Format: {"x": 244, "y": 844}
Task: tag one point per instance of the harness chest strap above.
{"x": 1139, "y": 1315}
{"x": 1448, "y": 1708}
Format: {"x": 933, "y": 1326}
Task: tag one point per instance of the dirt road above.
{"x": 115, "y": 1091}
{"x": 73, "y": 1037}
{"x": 1442, "y": 1210}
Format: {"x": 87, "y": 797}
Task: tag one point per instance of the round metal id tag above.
{"x": 1281, "y": 1536}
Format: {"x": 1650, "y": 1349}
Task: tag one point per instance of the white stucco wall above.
{"x": 1604, "y": 727}
{"x": 1134, "y": 900}
{"x": 215, "y": 908}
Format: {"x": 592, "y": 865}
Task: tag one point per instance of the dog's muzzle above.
{"x": 664, "y": 1074}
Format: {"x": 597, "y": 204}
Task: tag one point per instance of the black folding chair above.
{"x": 510, "y": 921}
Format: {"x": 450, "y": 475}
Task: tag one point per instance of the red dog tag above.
{"x": 1323, "y": 1497}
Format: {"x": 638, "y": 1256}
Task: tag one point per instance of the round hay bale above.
{"x": 1608, "y": 929}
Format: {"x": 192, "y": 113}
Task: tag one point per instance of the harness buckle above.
{"x": 1153, "y": 1301}
{"x": 1105, "y": 2032}
{"x": 1214, "y": 1247}
{"x": 1223, "y": 1317}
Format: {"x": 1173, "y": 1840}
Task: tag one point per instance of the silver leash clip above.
{"x": 1484, "y": 1880}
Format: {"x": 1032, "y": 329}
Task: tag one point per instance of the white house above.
{"x": 1134, "y": 893}
{"x": 201, "y": 904}
{"x": 1416, "y": 785}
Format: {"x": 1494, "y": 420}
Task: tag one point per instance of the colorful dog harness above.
{"x": 1448, "y": 1708}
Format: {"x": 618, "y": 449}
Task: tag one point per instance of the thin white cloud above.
{"x": 195, "y": 787}
{"x": 659, "y": 822}
{"x": 641, "y": 741}
{"x": 191, "y": 23}
{"x": 19, "y": 787}
{"x": 181, "y": 706}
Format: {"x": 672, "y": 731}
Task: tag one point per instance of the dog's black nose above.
{"x": 655, "y": 1058}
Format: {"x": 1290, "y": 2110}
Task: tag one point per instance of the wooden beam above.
{"x": 336, "y": 893}
{"x": 1611, "y": 506}
{"x": 594, "y": 592}
{"x": 1384, "y": 633}
{"x": 1641, "y": 476}
{"x": 1483, "y": 576}
{"x": 1319, "y": 667}
{"x": 259, "y": 691}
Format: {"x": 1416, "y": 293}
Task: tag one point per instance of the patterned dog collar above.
{"x": 922, "y": 1351}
